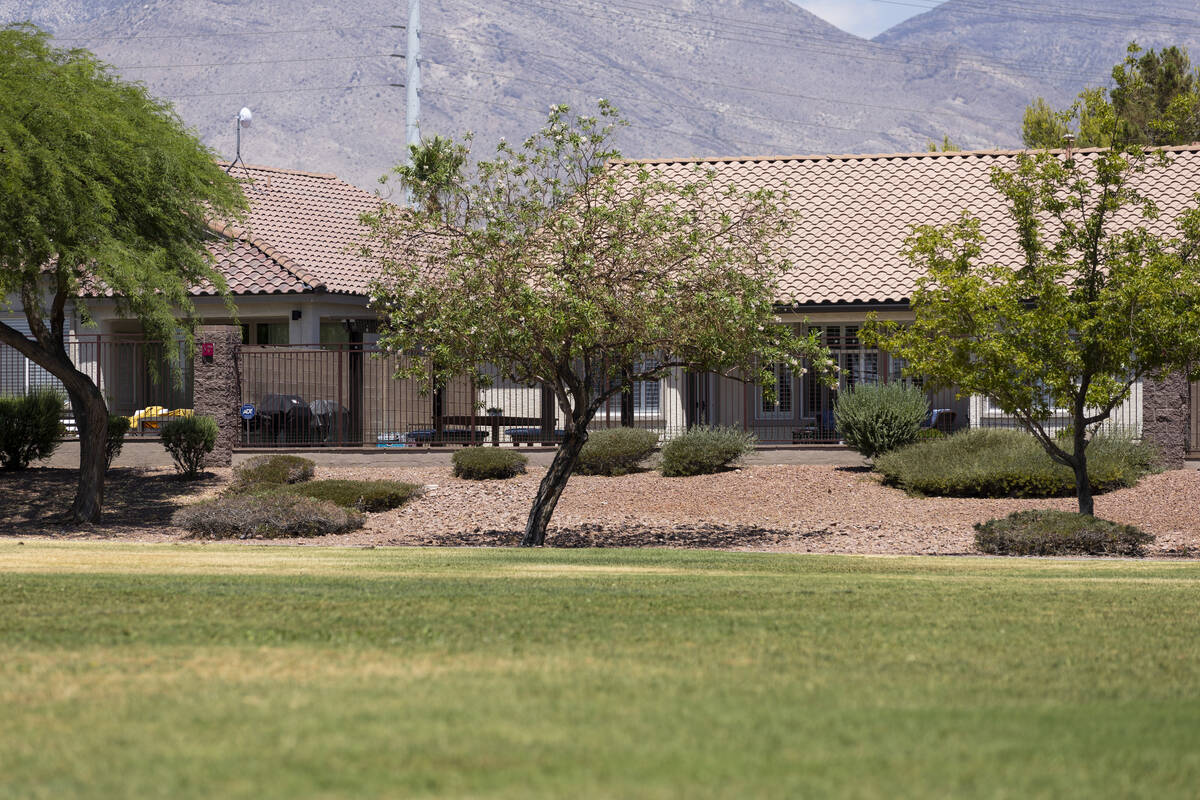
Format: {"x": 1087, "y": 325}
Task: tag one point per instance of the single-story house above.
{"x": 298, "y": 281}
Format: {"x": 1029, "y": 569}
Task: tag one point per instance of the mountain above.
{"x": 1066, "y": 44}
{"x": 694, "y": 77}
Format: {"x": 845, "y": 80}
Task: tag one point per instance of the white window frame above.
{"x": 778, "y": 412}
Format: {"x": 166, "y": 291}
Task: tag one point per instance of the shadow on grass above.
{"x": 700, "y": 535}
{"x": 37, "y": 500}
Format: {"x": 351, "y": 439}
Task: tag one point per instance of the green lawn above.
{"x": 230, "y": 671}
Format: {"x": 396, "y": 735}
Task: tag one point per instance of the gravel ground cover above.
{"x": 789, "y": 508}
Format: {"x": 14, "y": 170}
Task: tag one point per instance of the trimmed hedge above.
{"x": 1008, "y": 463}
{"x": 118, "y": 426}
{"x": 30, "y": 427}
{"x": 704, "y": 450}
{"x": 273, "y": 469}
{"x": 487, "y": 463}
{"x": 280, "y": 514}
{"x": 875, "y": 418}
{"x": 617, "y": 451}
{"x": 189, "y": 440}
{"x": 358, "y": 495}
{"x": 1058, "y": 533}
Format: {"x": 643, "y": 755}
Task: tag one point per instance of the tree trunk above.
{"x": 1083, "y": 486}
{"x": 551, "y": 487}
{"x": 91, "y": 418}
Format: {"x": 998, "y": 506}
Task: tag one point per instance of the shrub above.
{"x": 359, "y": 495}
{"x": 1007, "y": 463}
{"x": 876, "y": 418}
{"x": 1058, "y": 533}
{"x": 616, "y": 452}
{"x": 265, "y": 516}
{"x": 118, "y": 426}
{"x": 704, "y": 450}
{"x": 30, "y": 427}
{"x": 189, "y": 440}
{"x": 486, "y": 463}
{"x": 273, "y": 469}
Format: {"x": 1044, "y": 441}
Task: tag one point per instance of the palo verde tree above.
{"x": 1155, "y": 100}
{"x": 563, "y": 266}
{"x": 1095, "y": 302}
{"x": 101, "y": 189}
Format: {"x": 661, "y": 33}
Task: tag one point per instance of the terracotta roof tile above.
{"x": 855, "y": 211}
{"x": 308, "y": 224}
{"x": 252, "y": 269}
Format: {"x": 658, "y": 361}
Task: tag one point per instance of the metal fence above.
{"x": 345, "y": 395}
{"x": 136, "y": 377}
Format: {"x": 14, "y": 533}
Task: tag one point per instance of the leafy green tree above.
{"x": 101, "y": 187}
{"x": 1155, "y": 100}
{"x": 946, "y": 146}
{"x": 434, "y": 166}
{"x": 565, "y": 267}
{"x": 1097, "y": 303}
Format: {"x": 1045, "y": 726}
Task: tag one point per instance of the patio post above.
{"x": 216, "y": 390}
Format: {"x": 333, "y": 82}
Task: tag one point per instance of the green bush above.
{"x": 486, "y": 463}
{"x": 1008, "y": 463}
{"x": 1058, "y": 533}
{"x": 359, "y": 495}
{"x": 118, "y": 426}
{"x": 265, "y": 516}
{"x": 30, "y": 427}
{"x": 875, "y": 418}
{"x": 704, "y": 450}
{"x": 616, "y": 452}
{"x": 189, "y": 440}
{"x": 273, "y": 469}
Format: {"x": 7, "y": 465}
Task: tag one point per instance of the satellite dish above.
{"x": 244, "y": 117}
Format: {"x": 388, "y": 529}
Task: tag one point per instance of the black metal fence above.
{"x": 346, "y": 395}
{"x": 137, "y": 377}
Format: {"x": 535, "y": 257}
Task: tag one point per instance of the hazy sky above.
{"x": 863, "y": 17}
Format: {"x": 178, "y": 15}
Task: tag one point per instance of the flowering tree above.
{"x": 566, "y": 267}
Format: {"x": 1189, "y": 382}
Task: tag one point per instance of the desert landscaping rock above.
{"x": 785, "y": 508}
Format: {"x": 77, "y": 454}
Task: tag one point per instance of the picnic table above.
{"x": 495, "y": 421}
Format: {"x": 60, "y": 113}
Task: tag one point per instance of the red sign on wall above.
{"x": 206, "y": 349}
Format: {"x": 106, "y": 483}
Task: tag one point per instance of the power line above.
{"x": 286, "y": 91}
{"x": 265, "y": 61}
{"x": 221, "y": 34}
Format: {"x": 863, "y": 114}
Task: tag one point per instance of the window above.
{"x": 271, "y": 333}
{"x": 647, "y": 397}
{"x": 781, "y": 406}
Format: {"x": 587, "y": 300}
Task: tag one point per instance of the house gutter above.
{"x": 802, "y": 308}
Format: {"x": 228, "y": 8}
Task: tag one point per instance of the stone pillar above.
{"x": 1165, "y": 417}
{"x": 217, "y": 392}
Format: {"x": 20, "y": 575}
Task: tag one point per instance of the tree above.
{"x": 565, "y": 267}
{"x": 101, "y": 188}
{"x": 1155, "y": 100}
{"x": 1097, "y": 303}
{"x": 946, "y": 146}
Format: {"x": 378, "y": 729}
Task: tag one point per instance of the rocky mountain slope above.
{"x": 694, "y": 77}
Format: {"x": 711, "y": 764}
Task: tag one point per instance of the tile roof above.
{"x": 251, "y": 268}
{"x": 855, "y": 211}
{"x": 306, "y": 226}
